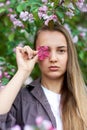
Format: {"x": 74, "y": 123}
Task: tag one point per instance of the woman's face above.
{"x": 53, "y": 66}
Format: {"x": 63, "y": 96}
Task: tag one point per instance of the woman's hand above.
{"x": 26, "y": 58}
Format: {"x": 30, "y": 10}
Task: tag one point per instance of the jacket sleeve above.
{"x": 9, "y": 119}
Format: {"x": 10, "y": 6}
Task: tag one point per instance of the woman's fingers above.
{"x": 18, "y": 51}
{"x": 29, "y": 52}
{"x": 26, "y": 52}
{"x": 35, "y": 58}
{"x": 26, "y": 58}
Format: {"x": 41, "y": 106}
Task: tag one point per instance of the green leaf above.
{"x": 2, "y": 0}
{"x": 20, "y": 7}
{"x": 60, "y": 14}
{"x": 11, "y": 37}
{"x": 2, "y": 10}
{"x": 5, "y": 81}
{"x": 81, "y": 55}
{"x": 2, "y": 59}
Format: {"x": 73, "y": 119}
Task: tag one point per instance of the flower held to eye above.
{"x": 43, "y": 52}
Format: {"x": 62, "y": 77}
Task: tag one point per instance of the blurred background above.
{"x": 19, "y": 20}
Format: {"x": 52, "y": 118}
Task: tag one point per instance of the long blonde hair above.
{"x": 73, "y": 93}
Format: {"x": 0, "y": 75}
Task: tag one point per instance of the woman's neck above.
{"x": 54, "y": 85}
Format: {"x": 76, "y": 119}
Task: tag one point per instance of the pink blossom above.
{"x": 44, "y": 1}
{"x": 10, "y": 10}
{"x": 42, "y": 11}
{"x": 82, "y": 34}
{"x": 5, "y": 73}
{"x": 54, "y": 17}
{"x": 18, "y": 23}
{"x": 21, "y": 44}
{"x": 13, "y": 70}
{"x": 39, "y": 120}
{"x": 14, "y": 50}
{"x": 1, "y": 86}
{"x": 24, "y": 15}
{"x": 1, "y": 74}
{"x": 45, "y": 16}
{"x": 8, "y": 2}
{"x": 47, "y": 125}
{"x": 70, "y": 13}
{"x": 31, "y": 18}
{"x": 28, "y": 81}
{"x": 75, "y": 39}
{"x": 27, "y": 127}
{"x": 44, "y": 124}
{"x": 43, "y": 52}
{"x": 71, "y": 6}
{"x": 84, "y": 8}
{"x": 1, "y": 4}
{"x": 51, "y": 17}
{"x": 68, "y": 29}
{"x": 1, "y": 67}
{"x": 17, "y": 127}
{"x": 80, "y": 1}
{"x": 12, "y": 17}
{"x": 8, "y": 76}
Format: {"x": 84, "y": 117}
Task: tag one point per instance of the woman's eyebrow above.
{"x": 62, "y": 47}
{"x": 59, "y": 47}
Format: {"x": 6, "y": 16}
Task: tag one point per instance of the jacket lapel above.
{"x": 38, "y": 93}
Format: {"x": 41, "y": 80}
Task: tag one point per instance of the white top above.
{"x": 54, "y": 101}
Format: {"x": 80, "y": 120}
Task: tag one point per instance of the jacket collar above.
{"x": 38, "y": 93}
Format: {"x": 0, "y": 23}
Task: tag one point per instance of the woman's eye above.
{"x": 61, "y": 51}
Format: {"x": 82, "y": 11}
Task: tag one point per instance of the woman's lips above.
{"x": 53, "y": 68}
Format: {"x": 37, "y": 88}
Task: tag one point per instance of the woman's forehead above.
{"x": 51, "y": 38}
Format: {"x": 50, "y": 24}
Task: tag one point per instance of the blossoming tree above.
{"x": 19, "y": 20}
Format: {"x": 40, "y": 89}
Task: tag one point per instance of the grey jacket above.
{"x": 30, "y": 103}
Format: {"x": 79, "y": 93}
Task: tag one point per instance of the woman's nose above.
{"x": 53, "y": 56}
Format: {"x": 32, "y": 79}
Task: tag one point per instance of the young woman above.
{"x": 59, "y": 95}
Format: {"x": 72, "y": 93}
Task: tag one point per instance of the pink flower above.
{"x": 80, "y": 3}
{"x": 13, "y": 70}
{"x": 1, "y": 86}
{"x": 27, "y": 127}
{"x": 47, "y": 125}
{"x": 12, "y": 17}
{"x": 44, "y": 1}
{"x": 17, "y": 127}
{"x": 5, "y": 73}
{"x": 82, "y": 34}
{"x": 39, "y": 120}
{"x": 70, "y": 13}
{"x": 42, "y": 11}
{"x": 43, "y": 52}
{"x": 80, "y": 0}
{"x": 24, "y": 15}
{"x": 8, "y": 2}
{"x": 51, "y": 17}
{"x": 75, "y": 39}
{"x": 10, "y": 10}
{"x": 18, "y": 23}
{"x": 31, "y": 18}
{"x": 1, "y": 75}
{"x": 1, "y": 4}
